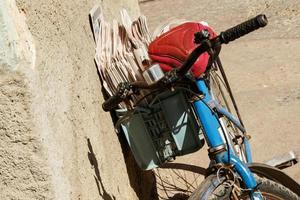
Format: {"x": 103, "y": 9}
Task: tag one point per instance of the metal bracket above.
{"x": 283, "y": 161}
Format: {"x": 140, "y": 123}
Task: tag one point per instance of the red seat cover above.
{"x": 172, "y": 48}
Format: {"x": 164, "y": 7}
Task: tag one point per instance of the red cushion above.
{"x": 172, "y": 48}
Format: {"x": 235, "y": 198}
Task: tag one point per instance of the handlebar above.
{"x": 206, "y": 45}
{"x": 243, "y": 29}
{"x": 116, "y": 99}
{"x": 123, "y": 90}
{"x": 224, "y": 38}
{"x": 111, "y": 103}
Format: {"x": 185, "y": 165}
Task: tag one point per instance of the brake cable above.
{"x": 220, "y": 66}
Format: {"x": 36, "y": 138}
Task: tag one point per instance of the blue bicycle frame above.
{"x": 214, "y": 135}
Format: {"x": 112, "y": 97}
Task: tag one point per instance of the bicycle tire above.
{"x": 269, "y": 189}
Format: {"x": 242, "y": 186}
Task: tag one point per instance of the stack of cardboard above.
{"x": 121, "y": 48}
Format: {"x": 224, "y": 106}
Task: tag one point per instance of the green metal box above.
{"x": 162, "y": 130}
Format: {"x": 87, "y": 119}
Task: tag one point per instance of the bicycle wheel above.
{"x": 177, "y": 181}
{"x": 216, "y": 188}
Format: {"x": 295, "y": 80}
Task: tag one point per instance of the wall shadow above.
{"x": 93, "y": 160}
{"x": 142, "y": 182}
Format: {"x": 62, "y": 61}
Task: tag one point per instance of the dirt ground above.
{"x": 263, "y": 68}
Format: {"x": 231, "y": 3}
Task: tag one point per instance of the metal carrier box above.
{"x": 162, "y": 130}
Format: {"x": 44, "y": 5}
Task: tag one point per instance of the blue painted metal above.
{"x": 248, "y": 150}
{"x": 237, "y": 123}
{"x": 214, "y": 138}
{"x": 210, "y": 124}
{"x": 239, "y": 166}
{"x": 229, "y": 116}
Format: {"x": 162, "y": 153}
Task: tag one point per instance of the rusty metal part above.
{"x": 216, "y": 150}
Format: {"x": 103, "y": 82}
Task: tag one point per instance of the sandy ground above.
{"x": 263, "y": 68}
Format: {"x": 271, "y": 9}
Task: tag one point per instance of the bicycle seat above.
{"x": 172, "y": 48}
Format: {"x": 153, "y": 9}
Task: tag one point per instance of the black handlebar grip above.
{"x": 111, "y": 103}
{"x": 243, "y": 28}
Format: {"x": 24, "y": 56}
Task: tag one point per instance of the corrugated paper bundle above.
{"x": 121, "y": 49}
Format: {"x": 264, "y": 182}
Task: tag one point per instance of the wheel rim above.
{"x": 177, "y": 181}
{"x": 221, "y": 192}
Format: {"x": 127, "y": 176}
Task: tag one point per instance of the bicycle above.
{"x": 231, "y": 173}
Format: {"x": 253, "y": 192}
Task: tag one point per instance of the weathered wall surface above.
{"x": 55, "y": 141}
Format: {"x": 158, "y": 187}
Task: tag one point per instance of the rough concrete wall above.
{"x": 55, "y": 141}
{"x": 23, "y": 173}
{"x": 22, "y": 169}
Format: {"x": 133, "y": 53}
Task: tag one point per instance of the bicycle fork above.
{"x": 216, "y": 140}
